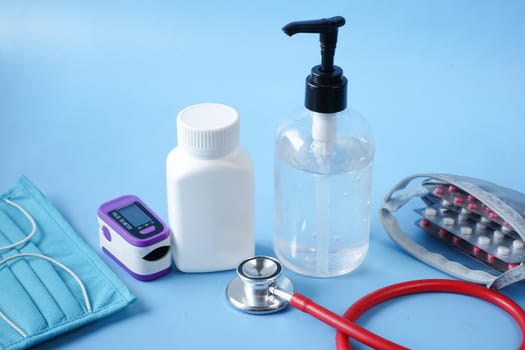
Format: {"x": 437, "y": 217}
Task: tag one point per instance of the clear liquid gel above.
{"x": 323, "y": 195}
{"x": 323, "y": 170}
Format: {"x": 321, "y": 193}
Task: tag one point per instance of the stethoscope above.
{"x": 260, "y": 288}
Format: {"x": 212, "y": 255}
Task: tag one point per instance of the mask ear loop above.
{"x": 29, "y": 217}
{"x": 57, "y": 263}
{"x": 13, "y": 325}
{"x": 13, "y": 245}
{"x": 41, "y": 256}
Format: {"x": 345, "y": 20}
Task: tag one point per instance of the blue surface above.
{"x": 89, "y": 92}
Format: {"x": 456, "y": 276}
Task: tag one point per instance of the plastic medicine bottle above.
{"x": 210, "y": 187}
{"x": 323, "y": 172}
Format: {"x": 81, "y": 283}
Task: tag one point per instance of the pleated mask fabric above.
{"x": 51, "y": 281}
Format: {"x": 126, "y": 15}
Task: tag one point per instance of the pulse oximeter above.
{"x": 135, "y": 237}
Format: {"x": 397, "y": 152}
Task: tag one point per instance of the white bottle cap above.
{"x": 208, "y": 129}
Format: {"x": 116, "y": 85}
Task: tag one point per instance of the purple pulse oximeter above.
{"x": 135, "y": 237}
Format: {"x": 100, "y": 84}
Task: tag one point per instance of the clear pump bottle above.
{"x": 323, "y": 171}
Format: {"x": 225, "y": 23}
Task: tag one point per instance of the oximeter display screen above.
{"x": 137, "y": 220}
{"x": 134, "y": 215}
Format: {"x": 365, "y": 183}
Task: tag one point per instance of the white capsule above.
{"x": 448, "y": 221}
{"x": 464, "y": 211}
{"x": 485, "y": 220}
{"x": 483, "y": 241}
{"x": 466, "y": 230}
{"x": 502, "y": 250}
{"x": 507, "y": 229}
{"x": 430, "y": 212}
{"x": 463, "y": 217}
{"x": 445, "y": 211}
{"x": 481, "y": 226}
{"x": 517, "y": 244}
{"x": 498, "y": 235}
{"x": 447, "y": 204}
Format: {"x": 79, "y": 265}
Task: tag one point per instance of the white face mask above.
{"x": 457, "y": 209}
{"x": 37, "y": 299}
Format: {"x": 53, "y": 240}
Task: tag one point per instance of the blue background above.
{"x": 89, "y": 93}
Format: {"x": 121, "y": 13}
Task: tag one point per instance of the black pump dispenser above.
{"x": 326, "y": 85}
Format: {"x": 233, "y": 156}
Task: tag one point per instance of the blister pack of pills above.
{"x": 462, "y": 221}
{"x": 480, "y": 219}
{"x": 467, "y": 206}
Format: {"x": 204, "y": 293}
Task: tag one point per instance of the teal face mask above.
{"x": 51, "y": 281}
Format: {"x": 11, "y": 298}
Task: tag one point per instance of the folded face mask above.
{"x": 51, "y": 281}
{"x": 480, "y": 219}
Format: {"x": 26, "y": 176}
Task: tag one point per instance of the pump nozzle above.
{"x": 326, "y": 85}
{"x": 327, "y": 29}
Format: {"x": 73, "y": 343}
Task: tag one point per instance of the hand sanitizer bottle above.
{"x": 323, "y": 171}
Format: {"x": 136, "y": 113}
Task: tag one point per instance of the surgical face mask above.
{"x": 51, "y": 281}
{"x": 477, "y": 218}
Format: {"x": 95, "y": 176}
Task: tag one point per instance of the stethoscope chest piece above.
{"x": 250, "y": 290}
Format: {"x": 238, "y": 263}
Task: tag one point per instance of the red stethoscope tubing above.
{"x": 346, "y": 326}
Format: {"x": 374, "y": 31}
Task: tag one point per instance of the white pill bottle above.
{"x": 210, "y": 187}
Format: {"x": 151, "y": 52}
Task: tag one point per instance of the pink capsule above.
{"x": 459, "y": 200}
{"x": 425, "y": 223}
{"x": 493, "y": 215}
{"x": 490, "y": 258}
{"x": 442, "y": 233}
{"x": 452, "y": 188}
{"x": 476, "y": 250}
{"x": 473, "y": 206}
{"x": 456, "y": 240}
{"x": 439, "y": 191}
{"x": 471, "y": 198}
{"x": 511, "y": 266}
